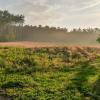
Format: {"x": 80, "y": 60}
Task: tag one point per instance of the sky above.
{"x": 59, "y": 13}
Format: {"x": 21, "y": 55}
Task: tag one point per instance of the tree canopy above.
{"x": 8, "y": 18}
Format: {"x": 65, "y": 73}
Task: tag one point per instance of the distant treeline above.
{"x": 12, "y": 28}
{"x": 22, "y": 33}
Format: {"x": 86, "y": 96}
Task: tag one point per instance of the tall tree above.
{"x": 8, "y": 23}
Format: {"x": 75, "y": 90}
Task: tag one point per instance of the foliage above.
{"x": 50, "y": 73}
{"x": 98, "y": 39}
{"x": 7, "y": 18}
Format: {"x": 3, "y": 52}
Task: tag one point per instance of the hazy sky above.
{"x": 70, "y": 13}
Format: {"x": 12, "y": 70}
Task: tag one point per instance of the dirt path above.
{"x": 26, "y": 44}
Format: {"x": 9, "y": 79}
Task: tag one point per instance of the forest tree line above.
{"x": 12, "y": 28}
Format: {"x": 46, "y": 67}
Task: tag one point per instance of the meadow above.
{"x": 52, "y": 73}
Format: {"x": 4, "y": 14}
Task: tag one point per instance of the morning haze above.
{"x": 55, "y": 21}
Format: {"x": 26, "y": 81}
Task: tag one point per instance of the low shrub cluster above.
{"x": 50, "y": 73}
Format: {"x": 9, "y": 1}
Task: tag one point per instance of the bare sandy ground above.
{"x": 27, "y": 44}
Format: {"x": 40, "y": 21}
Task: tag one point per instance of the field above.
{"x": 49, "y": 73}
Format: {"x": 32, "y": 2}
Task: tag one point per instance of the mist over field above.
{"x": 65, "y": 38}
{"x": 51, "y": 15}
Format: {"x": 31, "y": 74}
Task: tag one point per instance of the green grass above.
{"x": 50, "y": 73}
